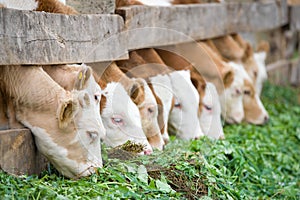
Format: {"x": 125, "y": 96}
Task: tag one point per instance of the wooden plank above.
{"x": 28, "y": 37}
{"x": 18, "y": 154}
{"x": 157, "y": 26}
{"x": 93, "y": 6}
{"x": 295, "y": 17}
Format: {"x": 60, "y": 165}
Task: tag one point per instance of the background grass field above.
{"x": 253, "y": 162}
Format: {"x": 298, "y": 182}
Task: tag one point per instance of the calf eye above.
{"x": 97, "y": 97}
{"x": 255, "y": 74}
{"x": 177, "y": 105}
{"x": 247, "y": 92}
{"x": 150, "y": 110}
{"x": 92, "y": 134}
{"x": 208, "y": 107}
{"x": 117, "y": 121}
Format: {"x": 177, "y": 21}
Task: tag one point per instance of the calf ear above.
{"x": 137, "y": 93}
{"x": 82, "y": 78}
{"x": 227, "y": 76}
{"x": 248, "y": 52}
{"x": 263, "y": 46}
{"x": 66, "y": 113}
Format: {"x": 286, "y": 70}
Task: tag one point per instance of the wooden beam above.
{"x": 153, "y": 26}
{"x": 18, "y": 153}
{"x": 28, "y": 37}
{"x": 295, "y": 17}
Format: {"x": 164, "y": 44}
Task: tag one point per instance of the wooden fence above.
{"x": 41, "y": 38}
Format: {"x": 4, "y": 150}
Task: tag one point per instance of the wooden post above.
{"x": 18, "y": 153}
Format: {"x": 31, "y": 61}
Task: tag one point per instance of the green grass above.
{"x": 254, "y": 162}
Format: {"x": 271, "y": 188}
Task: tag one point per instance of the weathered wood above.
{"x": 295, "y": 17}
{"x": 93, "y": 6}
{"x": 18, "y": 153}
{"x": 28, "y": 37}
{"x": 279, "y": 72}
{"x": 152, "y": 26}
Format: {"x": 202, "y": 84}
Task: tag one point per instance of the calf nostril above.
{"x": 147, "y": 151}
{"x": 266, "y": 119}
{"x": 222, "y": 137}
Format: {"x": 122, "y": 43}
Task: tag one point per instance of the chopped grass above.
{"x": 254, "y": 162}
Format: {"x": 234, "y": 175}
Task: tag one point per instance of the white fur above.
{"x": 232, "y": 97}
{"x": 185, "y": 120}
{"x": 262, "y": 76}
{"x": 156, "y": 2}
{"x": 210, "y": 120}
{"x": 63, "y": 1}
{"x": 20, "y": 4}
{"x": 163, "y": 89}
{"x": 119, "y": 104}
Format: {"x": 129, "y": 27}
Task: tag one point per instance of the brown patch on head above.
{"x": 173, "y": 60}
{"x": 200, "y": 85}
{"x": 248, "y": 53}
{"x": 55, "y": 6}
{"x": 238, "y": 38}
{"x": 251, "y": 108}
{"x": 228, "y": 48}
{"x": 263, "y": 46}
{"x": 102, "y": 84}
{"x": 160, "y": 117}
{"x": 137, "y": 93}
{"x": 249, "y": 63}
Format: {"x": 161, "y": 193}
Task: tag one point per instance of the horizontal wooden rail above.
{"x": 43, "y": 38}
{"x": 152, "y": 26}
{"x": 28, "y": 37}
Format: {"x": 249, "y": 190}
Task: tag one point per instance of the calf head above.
{"x": 255, "y": 112}
{"x": 210, "y": 118}
{"x": 183, "y": 119}
{"x": 121, "y": 118}
{"x": 162, "y": 87}
{"x": 149, "y": 112}
{"x": 232, "y": 97}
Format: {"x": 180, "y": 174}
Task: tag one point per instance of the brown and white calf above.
{"x": 64, "y": 124}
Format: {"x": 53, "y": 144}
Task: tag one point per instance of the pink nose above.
{"x": 148, "y": 151}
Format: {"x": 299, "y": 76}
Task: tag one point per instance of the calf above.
{"x": 64, "y": 128}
